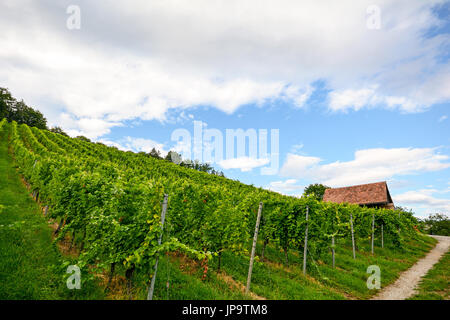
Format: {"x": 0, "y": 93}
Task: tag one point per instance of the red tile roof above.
{"x": 364, "y": 194}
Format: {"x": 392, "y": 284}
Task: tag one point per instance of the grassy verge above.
{"x": 180, "y": 278}
{"x": 436, "y": 284}
{"x": 273, "y": 279}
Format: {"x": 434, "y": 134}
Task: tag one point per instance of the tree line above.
{"x": 15, "y": 110}
{"x": 436, "y": 224}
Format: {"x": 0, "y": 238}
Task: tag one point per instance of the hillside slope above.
{"x": 74, "y": 178}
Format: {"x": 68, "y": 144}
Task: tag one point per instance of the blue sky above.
{"x": 359, "y": 90}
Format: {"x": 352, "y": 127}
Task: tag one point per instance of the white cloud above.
{"x": 344, "y": 100}
{"x": 295, "y": 165}
{"x": 423, "y": 200}
{"x": 298, "y": 96}
{"x": 92, "y": 128}
{"x": 145, "y": 145}
{"x": 398, "y": 184}
{"x": 245, "y": 164}
{"x": 442, "y": 118}
{"x": 355, "y": 99}
{"x": 136, "y": 145}
{"x": 296, "y": 148}
{"x": 114, "y": 144}
{"x": 170, "y": 54}
{"x": 369, "y": 165}
{"x": 286, "y": 187}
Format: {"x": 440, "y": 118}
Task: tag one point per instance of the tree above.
{"x": 176, "y": 158}
{"x": 59, "y": 131}
{"x": 83, "y": 138}
{"x": 21, "y": 113}
{"x": 403, "y": 209}
{"x": 173, "y": 157}
{"x": 155, "y": 154}
{"x": 438, "y": 224}
{"x": 18, "y": 111}
{"x": 205, "y": 167}
{"x": 5, "y": 102}
{"x": 317, "y": 190}
{"x": 187, "y": 164}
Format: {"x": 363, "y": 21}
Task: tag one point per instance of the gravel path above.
{"x": 405, "y": 285}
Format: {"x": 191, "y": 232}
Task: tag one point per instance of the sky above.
{"x": 353, "y": 91}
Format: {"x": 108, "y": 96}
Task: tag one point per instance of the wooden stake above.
{"x": 220, "y": 260}
{"x": 373, "y": 229}
{"x": 306, "y": 242}
{"x": 59, "y": 226}
{"x": 163, "y": 217}
{"x": 111, "y": 275}
{"x": 353, "y": 236}
{"x": 252, "y": 256}
{"x": 332, "y": 248}
{"x": 83, "y": 241}
{"x": 266, "y": 241}
{"x": 382, "y": 237}
{"x": 129, "y": 276}
{"x": 73, "y": 240}
{"x": 286, "y": 256}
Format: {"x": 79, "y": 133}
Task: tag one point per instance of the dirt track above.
{"x": 405, "y": 285}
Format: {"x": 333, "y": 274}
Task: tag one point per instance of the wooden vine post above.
{"x": 382, "y": 236}
{"x": 373, "y": 228}
{"x": 353, "y": 235}
{"x": 305, "y": 250}
{"x": 252, "y": 256}
{"x": 163, "y": 217}
{"x": 332, "y": 249}
{"x": 332, "y": 242}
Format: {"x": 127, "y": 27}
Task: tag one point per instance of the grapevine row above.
{"x": 112, "y": 200}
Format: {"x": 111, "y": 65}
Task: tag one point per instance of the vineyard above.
{"x": 124, "y": 210}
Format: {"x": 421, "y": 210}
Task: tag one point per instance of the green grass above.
{"x": 276, "y": 283}
{"x": 436, "y": 284}
{"x": 187, "y": 285}
{"x": 351, "y": 276}
{"x": 31, "y": 266}
{"x": 273, "y": 280}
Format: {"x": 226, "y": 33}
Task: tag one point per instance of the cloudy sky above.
{"x": 359, "y": 90}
